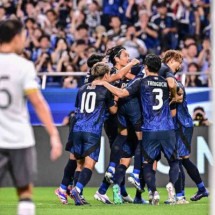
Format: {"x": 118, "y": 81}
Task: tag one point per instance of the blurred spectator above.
{"x": 57, "y": 27}
{"x": 166, "y": 27}
{"x": 192, "y": 80}
{"x": 44, "y": 47}
{"x": 117, "y": 30}
{"x": 112, "y": 8}
{"x": 199, "y": 117}
{"x": 93, "y": 18}
{"x": 101, "y": 39}
{"x": 147, "y": 32}
{"x": 76, "y": 18}
{"x": 135, "y": 46}
{"x": 52, "y": 18}
{"x": 131, "y": 12}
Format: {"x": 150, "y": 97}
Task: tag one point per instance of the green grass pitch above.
{"x": 48, "y": 204}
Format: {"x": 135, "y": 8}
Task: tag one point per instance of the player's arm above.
{"x": 114, "y": 90}
{"x": 124, "y": 71}
{"x": 172, "y": 86}
{"x": 44, "y": 114}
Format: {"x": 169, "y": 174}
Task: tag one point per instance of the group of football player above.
{"x": 143, "y": 110}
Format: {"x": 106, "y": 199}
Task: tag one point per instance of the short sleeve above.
{"x": 30, "y": 79}
{"x": 109, "y": 99}
{"x": 134, "y": 87}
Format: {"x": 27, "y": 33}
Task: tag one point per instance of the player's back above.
{"x": 17, "y": 75}
{"x": 155, "y": 104}
{"x": 92, "y": 103}
{"x": 183, "y": 115}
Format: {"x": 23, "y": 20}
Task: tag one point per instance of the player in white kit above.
{"x": 17, "y": 84}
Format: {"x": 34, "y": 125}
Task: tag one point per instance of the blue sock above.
{"x": 104, "y": 187}
{"x": 80, "y": 186}
{"x": 179, "y": 194}
{"x": 112, "y": 164}
{"x": 183, "y": 192}
{"x": 63, "y": 187}
{"x": 201, "y": 187}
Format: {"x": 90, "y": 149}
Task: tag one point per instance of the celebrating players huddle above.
{"x": 144, "y": 112}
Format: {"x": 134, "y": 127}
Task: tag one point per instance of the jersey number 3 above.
{"x": 88, "y": 102}
{"x": 158, "y": 97}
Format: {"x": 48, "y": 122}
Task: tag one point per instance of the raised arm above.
{"x": 125, "y": 70}
{"x": 114, "y": 90}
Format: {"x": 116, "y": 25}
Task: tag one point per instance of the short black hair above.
{"x": 9, "y": 29}
{"x": 153, "y": 62}
{"x": 114, "y": 52}
{"x": 94, "y": 58}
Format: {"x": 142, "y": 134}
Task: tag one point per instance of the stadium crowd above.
{"x": 62, "y": 34}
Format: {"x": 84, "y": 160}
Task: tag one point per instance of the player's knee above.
{"x": 125, "y": 161}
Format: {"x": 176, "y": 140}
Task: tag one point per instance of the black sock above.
{"x": 142, "y": 180}
{"x": 192, "y": 171}
{"x": 178, "y": 184}
{"x": 123, "y": 188}
{"x": 138, "y": 194}
{"x": 116, "y": 148}
{"x": 138, "y": 156}
{"x": 84, "y": 177}
{"x": 119, "y": 174}
{"x": 76, "y": 176}
{"x": 149, "y": 176}
{"x": 173, "y": 171}
{"x": 69, "y": 171}
{"x": 182, "y": 176}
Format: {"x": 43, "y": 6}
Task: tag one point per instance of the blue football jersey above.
{"x": 183, "y": 117}
{"x": 92, "y": 103}
{"x": 165, "y": 71}
{"x": 154, "y": 96}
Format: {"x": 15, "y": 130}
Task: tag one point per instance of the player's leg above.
{"x": 83, "y": 179}
{"x": 67, "y": 179}
{"x": 115, "y": 154}
{"x": 192, "y": 170}
{"x": 23, "y": 170}
{"x": 150, "y": 151}
{"x": 111, "y": 130}
{"x": 169, "y": 148}
{"x": 90, "y": 150}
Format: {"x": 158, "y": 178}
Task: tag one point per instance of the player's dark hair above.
{"x": 153, "y": 62}
{"x": 100, "y": 69}
{"x": 114, "y": 52}
{"x": 94, "y": 58}
{"x": 9, "y": 29}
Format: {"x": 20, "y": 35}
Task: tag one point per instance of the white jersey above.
{"x": 17, "y": 78}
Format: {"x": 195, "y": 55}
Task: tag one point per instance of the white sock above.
{"x": 78, "y": 189}
{"x": 62, "y": 190}
{"x": 26, "y": 208}
{"x": 136, "y": 175}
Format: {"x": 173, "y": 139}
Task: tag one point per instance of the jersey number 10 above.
{"x": 88, "y": 102}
